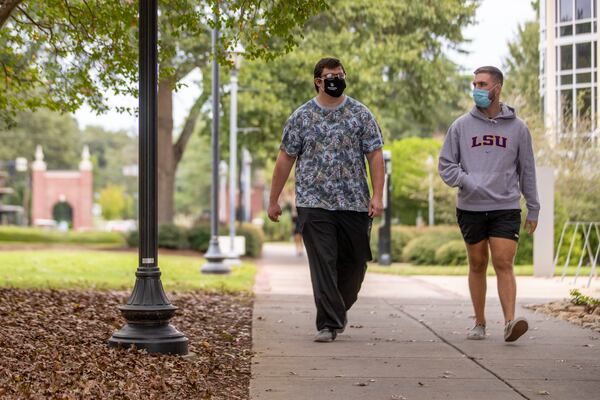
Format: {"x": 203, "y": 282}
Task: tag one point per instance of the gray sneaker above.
{"x": 515, "y": 329}
{"x": 476, "y": 333}
{"x": 325, "y": 335}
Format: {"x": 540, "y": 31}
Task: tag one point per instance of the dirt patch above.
{"x": 53, "y": 346}
{"x": 576, "y": 314}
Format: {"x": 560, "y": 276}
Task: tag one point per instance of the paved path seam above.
{"x": 434, "y": 332}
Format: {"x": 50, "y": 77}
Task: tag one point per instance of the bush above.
{"x": 199, "y": 237}
{"x": 277, "y": 231}
{"x": 401, "y": 235}
{"x": 35, "y": 235}
{"x": 172, "y": 237}
{"x": 452, "y": 253}
{"x": 254, "y": 238}
{"x": 132, "y": 238}
{"x": 421, "y": 250}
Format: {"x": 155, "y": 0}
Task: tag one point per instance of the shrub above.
{"x": 421, "y": 250}
{"x": 172, "y": 237}
{"x": 401, "y": 235}
{"x": 452, "y": 253}
{"x": 277, "y": 231}
{"x": 36, "y": 235}
{"x": 132, "y": 238}
{"x": 199, "y": 237}
{"x": 254, "y": 238}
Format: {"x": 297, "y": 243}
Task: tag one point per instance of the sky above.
{"x": 496, "y": 24}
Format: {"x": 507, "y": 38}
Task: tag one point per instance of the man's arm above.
{"x": 527, "y": 181}
{"x": 283, "y": 166}
{"x": 449, "y": 166}
{"x": 377, "y": 169}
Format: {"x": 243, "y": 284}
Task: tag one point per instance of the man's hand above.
{"x": 274, "y": 212}
{"x": 530, "y": 226}
{"x": 375, "y": 207}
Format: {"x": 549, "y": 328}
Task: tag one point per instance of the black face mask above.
{"x": 334, "y": 86}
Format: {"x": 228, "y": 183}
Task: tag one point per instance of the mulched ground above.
{"x": 53, "y": 346}
{"x": 579, "y": 315}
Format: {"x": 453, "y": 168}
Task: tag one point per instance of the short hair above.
{"x": 493, "y": 71}
{"x": 327, "y": 62}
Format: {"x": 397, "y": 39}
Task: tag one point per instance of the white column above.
{"x": 543, "y": 238}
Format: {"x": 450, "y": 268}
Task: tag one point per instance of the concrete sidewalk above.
{"x": 406, "y": 340}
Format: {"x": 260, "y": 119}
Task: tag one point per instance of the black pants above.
{"x": 337, "y": 245}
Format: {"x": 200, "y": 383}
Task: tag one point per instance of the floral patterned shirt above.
{"x": 330, "y": 146}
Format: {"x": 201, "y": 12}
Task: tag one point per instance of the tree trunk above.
{"x": 6, "y": 7}
{"x": 166, "y": 165}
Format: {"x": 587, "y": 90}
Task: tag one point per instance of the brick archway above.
{"x": 72, "y": 187}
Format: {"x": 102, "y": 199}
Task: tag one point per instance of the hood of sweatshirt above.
{"x": 506, "y": 112}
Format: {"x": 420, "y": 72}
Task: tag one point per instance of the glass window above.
{"x": 566, "y": 101}
{"x": 583, "y": 9}
{"x": 566, "y": 10}
{"x": 566, "y": 57}
{"x": 584, "y": 55}
{"x": 583, "y": 28}
{"x": 566, "y": 79}
{"x": 586, "y": 77}
{"x": 566, "y": 30}
{"x": 584, "y": 109}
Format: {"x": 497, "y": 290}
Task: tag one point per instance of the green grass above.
{"x": 86, "y": 269}
{"x": 16, "y": 234}
{"x": 409, "y": 269}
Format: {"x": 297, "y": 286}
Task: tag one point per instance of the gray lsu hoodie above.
{"x": 491, "y": 161}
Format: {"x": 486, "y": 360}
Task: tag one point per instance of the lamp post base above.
{"x": 215, "y": 258}
{"x": 147, "y": 313}
{"x": 164, "y": 339}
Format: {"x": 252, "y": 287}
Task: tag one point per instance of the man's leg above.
{"x": 319, "y": 234}
{"x": 503, "y": 255}
{"x": 353, "y": 253}
{"x": 478, "y": 261}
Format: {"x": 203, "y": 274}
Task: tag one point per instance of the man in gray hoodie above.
{"x": 488, "y": 155}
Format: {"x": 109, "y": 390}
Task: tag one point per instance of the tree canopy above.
{"x": 58, "y": 54}
{"x": 394, "y": 55}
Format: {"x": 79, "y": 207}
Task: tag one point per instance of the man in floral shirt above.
{"x": 328, "y": 137}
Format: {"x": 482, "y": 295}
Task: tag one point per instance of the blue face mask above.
{"x": 482, "y": 98}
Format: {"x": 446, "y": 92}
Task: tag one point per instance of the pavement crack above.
{"x": 458, "y": 349}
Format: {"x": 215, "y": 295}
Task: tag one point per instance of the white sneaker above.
{"x": 325, "y": 335}
{"x": 515, "y": 329}
{"x": 477, "y": 332}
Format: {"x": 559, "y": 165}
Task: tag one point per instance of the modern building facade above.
{"x": 568, "y": 68}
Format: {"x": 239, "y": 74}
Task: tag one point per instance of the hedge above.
{"x": 198, "y": 237}
{"x": 402, "y": 235}
{"x": 453, "y": 252}
{"x": 17, "y": 234}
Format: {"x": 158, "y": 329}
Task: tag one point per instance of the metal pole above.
{"x": 233, "y": 257}
{"x": 148, "y": 309}
{"x": 384, "y": 248}
{"x": 431, "y": 221}
{"x": 213, "y": 255}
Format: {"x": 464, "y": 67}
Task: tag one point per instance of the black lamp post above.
{"x": 148, "y": 309}
{"x": 385, "y": 231}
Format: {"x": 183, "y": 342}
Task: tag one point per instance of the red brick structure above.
{"x": 50, "y": 188}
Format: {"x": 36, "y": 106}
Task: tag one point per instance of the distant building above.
{"x": 62, "y": 196}
{"x": 568, "y": 68}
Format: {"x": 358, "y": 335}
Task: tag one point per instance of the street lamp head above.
{"x": 237, "y": 54}
{"x": 429, "y": 162}
{"x": 21, "y": 164}
{"x": 387, "y": 160}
